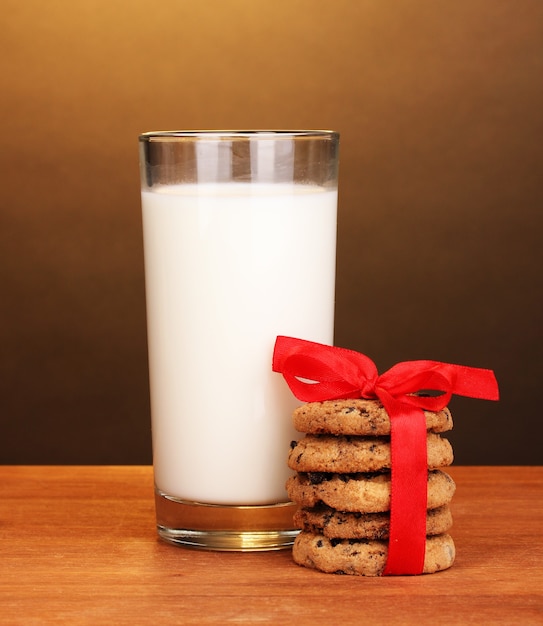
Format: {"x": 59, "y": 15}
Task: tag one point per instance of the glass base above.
{"x": 223, "y": 527}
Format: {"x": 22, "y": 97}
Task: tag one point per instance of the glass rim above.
{"x": 169, "y": 135}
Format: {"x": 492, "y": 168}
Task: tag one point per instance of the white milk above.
{"x": 228, "y": 268}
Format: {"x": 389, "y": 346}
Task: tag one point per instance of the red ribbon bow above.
{"x": 316, "y": 372}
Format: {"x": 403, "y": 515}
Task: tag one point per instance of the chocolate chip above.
{"x": 316, "y": 478}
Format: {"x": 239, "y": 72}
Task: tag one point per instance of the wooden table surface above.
{"x": 78, "y": 546}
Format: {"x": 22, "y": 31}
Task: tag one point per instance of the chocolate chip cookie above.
{"x": 363, "y": 557}
{"x": 335, "y": 524}
{"x": 348, "y": 454}
{"x": 357, "y": 417}
{"x": 360, "y": 492}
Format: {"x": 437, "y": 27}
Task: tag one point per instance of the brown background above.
{"x": 439, "y": 105}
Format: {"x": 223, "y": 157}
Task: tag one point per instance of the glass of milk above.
{"x": 240, "y": 246}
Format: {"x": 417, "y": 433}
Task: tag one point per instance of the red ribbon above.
{"x": 316, "y": 372}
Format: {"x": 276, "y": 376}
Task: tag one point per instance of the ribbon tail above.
{"x": 409, "y": 489}
{"x": 475, "y": 382}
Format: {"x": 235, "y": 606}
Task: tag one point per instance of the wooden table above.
{"x": 78, "y": 546}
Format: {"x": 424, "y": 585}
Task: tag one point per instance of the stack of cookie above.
{"x": 342, "y": 487}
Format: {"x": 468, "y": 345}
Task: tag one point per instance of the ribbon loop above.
{"x": 315, "y": 371}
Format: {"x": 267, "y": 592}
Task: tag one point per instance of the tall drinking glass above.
{"x": 240, "y": 246}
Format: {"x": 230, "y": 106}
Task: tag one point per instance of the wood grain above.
{"x": 78, "y": 546}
